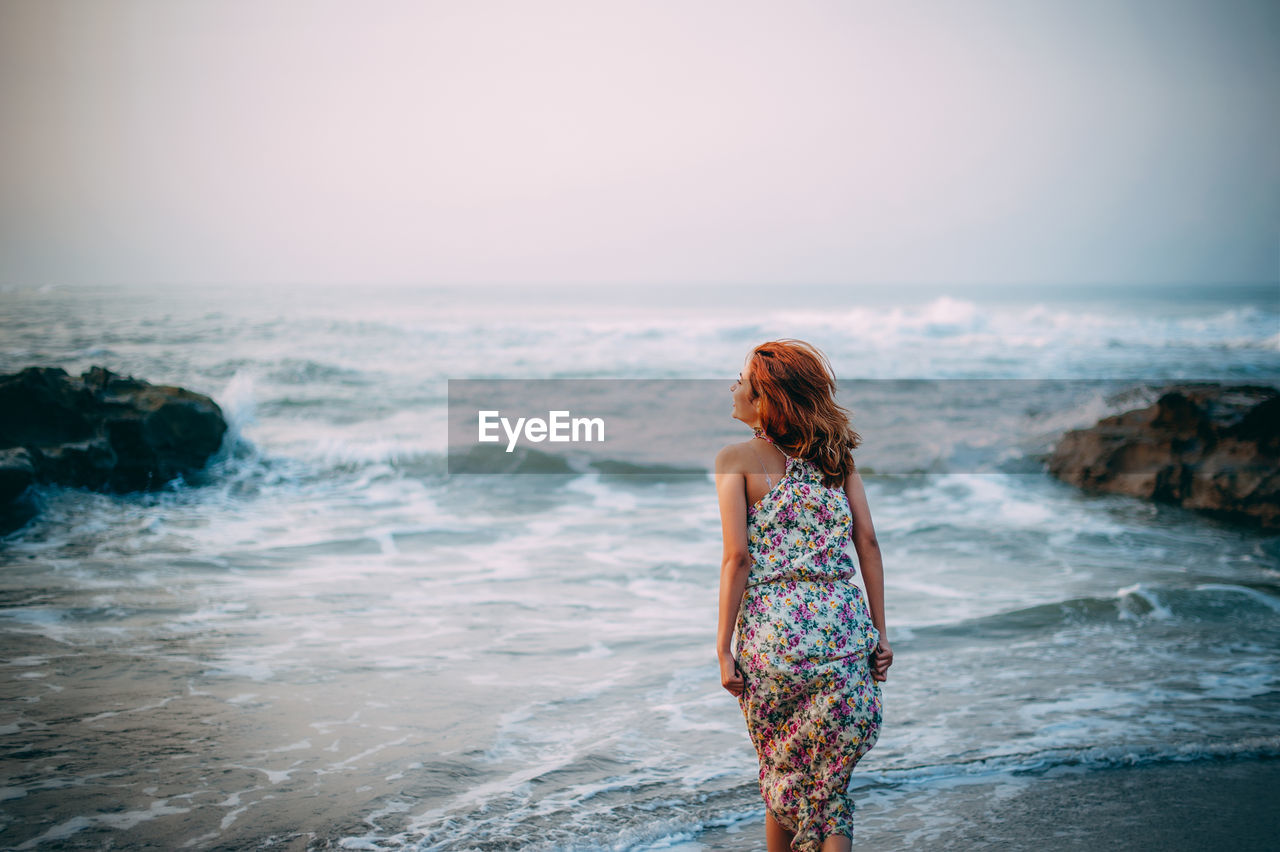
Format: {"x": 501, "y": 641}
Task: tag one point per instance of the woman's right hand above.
{"x": 730, "y": 676}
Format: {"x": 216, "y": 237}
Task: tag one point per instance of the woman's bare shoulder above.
{"x": 732, "y": 458}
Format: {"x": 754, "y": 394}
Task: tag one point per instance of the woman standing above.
{"x": 809, "y": 653}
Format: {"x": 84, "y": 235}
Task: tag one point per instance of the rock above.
{"x": 1204, "y": 446}
{"x": 101, "y": 431}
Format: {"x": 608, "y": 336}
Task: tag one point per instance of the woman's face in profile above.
{"x": 743, "y": 409}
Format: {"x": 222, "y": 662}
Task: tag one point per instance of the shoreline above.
{"x": 1210, "y": 804}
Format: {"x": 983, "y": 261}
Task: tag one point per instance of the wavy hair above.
{"x": 796, "y": 387}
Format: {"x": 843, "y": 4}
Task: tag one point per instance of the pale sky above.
{"x": 539, "y": 141}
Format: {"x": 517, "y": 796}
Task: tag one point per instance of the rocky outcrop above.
{"x": 101, "y": 431}
{"x": 1204, "y": 446}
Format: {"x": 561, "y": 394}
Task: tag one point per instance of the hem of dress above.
{"x": 809, "y": 841}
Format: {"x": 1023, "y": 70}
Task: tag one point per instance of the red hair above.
{"x": 798, "y": 410}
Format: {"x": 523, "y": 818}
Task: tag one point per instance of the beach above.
{"x": 326, "y": 641}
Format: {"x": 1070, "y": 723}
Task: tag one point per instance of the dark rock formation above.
{"x": 1203, "y": 446}
{"x": 101, "y": 431}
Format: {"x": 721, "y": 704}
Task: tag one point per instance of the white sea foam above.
{"x": 1156, "y": 607}
{"x": 1271, "y": 602}
{"x": 238, "y": 402}
{"x": 118, "y": 821}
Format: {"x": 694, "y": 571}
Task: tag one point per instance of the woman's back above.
{"x": 800, "y": 530}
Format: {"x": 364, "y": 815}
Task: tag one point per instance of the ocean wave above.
{"x": 1206, "y": 602}
{"x": 1091, "y": 757}
{"x": 300, "y": 371}
{"x": 634, "y": 811}
{"x": 951, "y": 321}
{"x": 937, "y": 336}
{"x": 496, "y": 460}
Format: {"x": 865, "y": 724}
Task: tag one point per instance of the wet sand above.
{"x": 1161, "y": 808}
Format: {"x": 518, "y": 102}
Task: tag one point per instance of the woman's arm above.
{"x": 735, "y": 562}
{"x": 871, "y": 564}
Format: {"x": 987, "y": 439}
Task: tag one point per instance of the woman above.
{"x": 809, "y": 654}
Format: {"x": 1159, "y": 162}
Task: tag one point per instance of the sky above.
{"x": 703, "y": 142}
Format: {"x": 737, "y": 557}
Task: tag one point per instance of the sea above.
{"x": 327, "y": 640}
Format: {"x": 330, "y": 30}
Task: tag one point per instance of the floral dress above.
{"x": 804, "y": 646}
